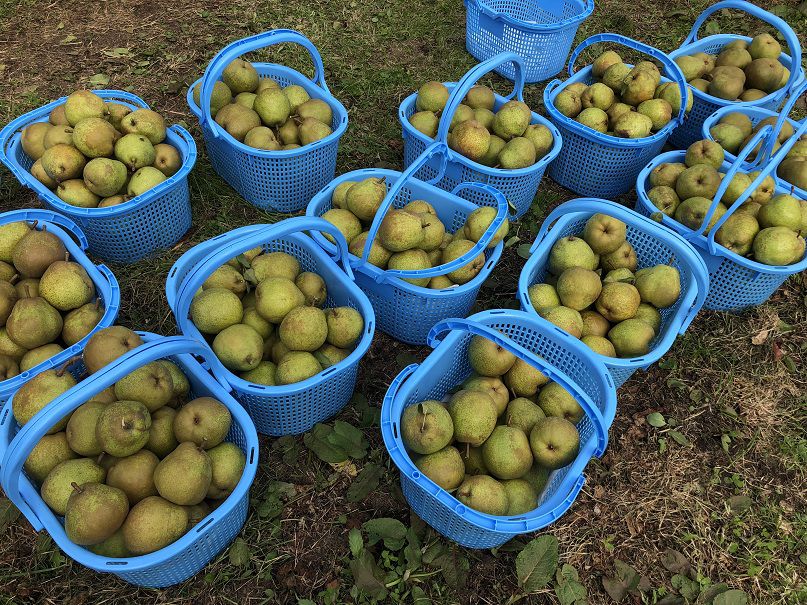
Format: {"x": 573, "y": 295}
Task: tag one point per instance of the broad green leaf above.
{"x": 689, "y": 589}
{"x": 675, "y": 562}
{"x": 355, "y": 542}
{"x": 239, "y": 553}
{"x": 731, "y": 597}
{"x": 627, "y": 575}
{"x": 740, "y": 503}
{"x": 99, "y": 80}
{"x": 536, "y": 564}
{"x": 391, "y": 531}
{"x": 524, "y": 250}
{"x": 412, "y": 552}
{"x": 615, "y": 588}
{"x": 708, "y": 595}
{"x": 567, "y": 573}
{"x": 305, "y": 602}
{"x": 366, "y": 481}
{"x": 656, "y": 420}
{"x": 368, "y": 578}
{"x": 678, "y": 438}
{"x": 571, "y": 592}
{"x": 511, "y": 241}
{"x": 434, "y": 551}
{"x": 8, "y": 514}
{"x": 455, "y": 569}
{"x": 317, "y": 441}
{"x": 419, "y": 597}
{"x": 349, "y": 439}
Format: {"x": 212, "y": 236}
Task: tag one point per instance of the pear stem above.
{"x": 14, "y": 278}
{"x": 76, "y": 487}
{"x": 60, "y": 372}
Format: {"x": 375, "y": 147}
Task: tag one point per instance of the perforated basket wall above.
{"x": 541, "y": 34}
{"x": 404, "y": 311}
{"x": 445, "y": 368}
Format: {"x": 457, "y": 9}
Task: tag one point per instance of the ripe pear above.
{"x": 183, "y": 477}
{"x": 58, "y": 485}
{"x": 704, "y": 152}
{"x": 692, "y": 212}
{"x": 275, "y": 297}
{"x": 262, "y": 137}
{"x": 364, "y": 198}
{"x": 633, "y": 125}
{"x": 240, "y": 76}
{"x": 565, "y": 318}
{"x": 511, "y": 120}
{"x": 727, "y": 82}
{"x": 523, "y": 379}
{"x": 764, "y": 74}
{"x": 80, "y": 429}
{"x": 594, "y": 324}
{"x": 399, "y": 230}
{"x": 227, "y": 464}
{"x": 57, "y": 116}
{"x": 433, "y": 231}
{"x": 618, "y": 301}
{"x": 215, "y": 309}
{"x": 474, "y": 416}
{"x": 541, "y": 138}
{"x": 637, "y": 86}
{"x": 62, "y": 163}
{"x": 597, "y": 95}
{"x": 474, "y": 464}
{"x": 648, "y": 314}
{"x": 738, "y": 232}
{"x": 484, "y": 494}
{"x": 426, "y": 427}
{"x": 8, "y": 367}
{"x": 666, "y": 174}
{"x": 631, "y": 338}
{"x": 738, "y": 57}
{"x": 471, "y": 139}
{"x": 494, "y": 387}
{"x": 595, "y": 118}
{"x": 316, "y": 109}
{"x": 462, "y": 114}
{"x": 36, "y": 356}
{"x": 506, "y": 452}
{"x": 345, "y": 221}
{"x": 226, "y": 277}
{"x": 521, "y": 496}
{"x": 487, "y": 358}
{"x": 144, "y": 179}
{"x": 672, "y": 95}
{"x": 161, "y": 434}
{"x": 409, "y": 260}
{"x": 665, "y": 199}
{"x": 764, "y": 46}
{"x": 254, "y": 320}
{"x": 123, "y": 428}
{"x": 289, "y": 133}
{"x": 238, "y": 120}
{"x": 221, "y": 96}
{"x": 523, "y": 413}
{"x": 379, "y": 256}
{"x": 104, "y": 177}
{"x": 554, "y": 400}
{"x": 32, "y": 139}
{"x": 543, "y": 296}
{"x": 445, "y": 467}
{"x": 659, "y": 286}
{"x": 134, "y": 476}
{"x": 312, "y": 130}
{"x": 204, "y": 421}
{"x": 50, "y": 451}
{"x": 454, "y": 250}
{"x": 10, "y": 348}
{"x": 57, "y": 135}
{"x": 571, "y": 251}
{"x": 778, "y": 246}
{"x": 275, "y": 264}
{"x": 484, "y": 117}
{"x": 782, "y": 211}
{"x": 152, "y": 524}
{"x": 425, "y": 122}
{"x": 95, "y": 137}
{"x": 145, "y": 122}
{"x": 518, "y": 152}
{"x": 115, "y": 113}
{"x": 33, "y": 322}
{"x": 480, "y": 97}
{"x": 303, "y": 329}
{"x": 76, "y": 193}
{"x": 603, "y": 62}
{"x": 239, "y": 347}
{"x": 328, "y": 355}
{"x": 555, "y": 442}
{"x": 107, "y": 345}
{"x": 600, "y": 345}
{"x": 296, "y": 366}
{"x": 603, "y": 233}
{"x": 568, "y": 103}
{"x": 578, "y": 288}
{"x": 94, "y": 513}
{"x": 135, "y": 151}
{"x": 273, "y": 107}
{"x": 66, "y": 286}
{"x": 83, "y": 104}
{"x": 113, "y": 547}
{"x": 150, "y": 384}
{"x": 339, "y": 195}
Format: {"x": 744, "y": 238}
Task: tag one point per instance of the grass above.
{"x": 722, "y": 482}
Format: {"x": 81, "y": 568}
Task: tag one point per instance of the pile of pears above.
{"x": 740, "y": 71}
{"x": 411, "y": 237}
{"x": 735, "y": 129}
{"x": 47, "y": 301}
{"x": 505, "y": 139}
{"x": 136, "y": 466}
{"x": 258, "y": 112}
{"x": 594, "y": 292}
{"x": 768, "y": 228}
{"x": 96, "y": 154}
{"x": 495, "y": 441}
{"x": 623, "y": 101}
{"x": 265, "y": 321}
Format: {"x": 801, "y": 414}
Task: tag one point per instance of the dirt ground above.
{"x": 722, "y": 483}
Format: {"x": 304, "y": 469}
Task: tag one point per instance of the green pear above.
{"x": 554, "y": 400}
{"x": 122, "y": 428}
{"x": 631, "y": 338}
{"x": 599, "y": 345}
{"x": 204, "y": 421}
{"x": 152, "y": 524}
{"x": 240, "y": 76}
{"x": 523, "y": 379}
{"x": 426, "y": 427}
{"x": 134, "y": 475}
{"x": 521, "y": 497}
{"x": 487, "y": 358}
{"x": 565, "y": 318}
{"x": 507, "y": 453}
{"x": 618, "y": 301}
{"x": 58, "y": 485}
{"x": 474, "y": 416}
{"x": 650, "y": 315}
{"x": 83, "y": 104}
{"x": 80, "y": 429}
{"x": 50, "y": 451}
{"x": 512, "y": 120}
{"x": 523, "y": 413}
{"x": 183, "y": 477}
{"x": 494, "y": 387}
{"x": 485, "y": 494}
{"x": 659, "y": 286}
{"x": 227, "y": 464}
{"x": 445, "y": 467}
{"x": 215, "y": 309}
{"x": 107, "y": 345}
{"x": 94, "y": 513}
{"x": 161, "y": 434}
{"x": 38, "y": 392}
{"x": 778, "y": 246}
{"x": 555, "y": 442}
{"x": 594, "y": 324}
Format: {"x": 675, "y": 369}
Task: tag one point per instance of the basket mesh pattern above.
{"x": 453, "y": 369}
{"x": 280, "y": 184}
{"x": 650, "y": 251}
{"x": 132, "y": 236}
{"x": 543, "y": 53}
{"x": 407, "y": 312}
{"x": 519, "y": 190}
{"x": 277, "y": 415}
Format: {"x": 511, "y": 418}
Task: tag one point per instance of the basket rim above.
{"x": 265, "y": 70}
{"x": 702, "y": 241}
{"x": 695, "y": 46}
{"x": 666, "y": 338}
{"x": 187, "y": 327}
{"x": 453, "y": 156}
{"x": 176, "y": 135}
{"x": 586, "y": 8}
{"x": 393, "y": 406}
{"x": 555, "y": 87}
{"x": 377, "y": 274}
{"x": 141, "y": 563}
{"x": 106, "y": 287}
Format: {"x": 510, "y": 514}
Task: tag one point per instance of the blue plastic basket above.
{"x": 519, "y": 186}
{"x": 756, "y": 115}
{"x": 735, "y": 282}
{"x": 283, "y": 181}
{"x": 106, "y": 286}
{"x": 541, "y": 34}
{"x": 595, "y": 164}
{"x": 704, "y": 104}
{"x": 405, "y": 311}
{"x": 559, "y": 356}
{"x": 653, "y": 245}
{"x": 152, "y": 221}
{"x": 294, "y": 408}
{"x": 191, "y": 552}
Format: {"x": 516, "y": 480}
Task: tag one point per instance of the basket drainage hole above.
{"x": 459, "y": 509}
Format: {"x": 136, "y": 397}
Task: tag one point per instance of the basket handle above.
{"x": 767, "y": 148}
{"x": 240, "y": 47}
{"x": 472, "y": 77}
{"x": 478, "y": 248}
{"x": 726, "y": 181}
{"x": 10, "y": 129}
{"x": 46, "y": 216}
{"x": 240, "y": 243}
{"x": 479, "y": 329}
{"x": 30, "y": 434}
{"x": 787, "y": 32}
{"x": 670, "y": 66}
{"x": 770, "y": 167}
